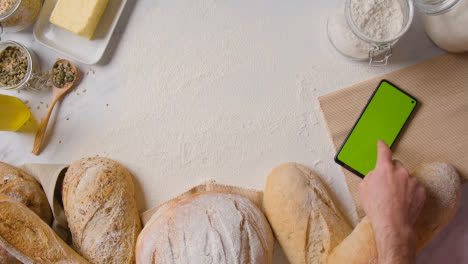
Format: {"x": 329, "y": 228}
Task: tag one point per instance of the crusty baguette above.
{"x": 25, "y": 189}
{"x": 29, "y": 239}
{"x": 443, "y": 188}
{"x": 357, "y": 248}
{"x": 18, "y": 185}
{"x": 206, "y": 227}
{"x": 99, "y": 202}
{"x": 304, "y": 218}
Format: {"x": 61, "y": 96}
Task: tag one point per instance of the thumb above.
{"x": 384, "y": 154}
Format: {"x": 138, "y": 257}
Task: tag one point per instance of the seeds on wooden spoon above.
{"x": 62, "y": 74}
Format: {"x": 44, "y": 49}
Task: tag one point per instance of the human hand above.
{"x": 393, "y": 201}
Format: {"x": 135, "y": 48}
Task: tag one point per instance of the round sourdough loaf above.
{"x": 207, "y": 227}
{"x": 99, "y": 202}
{"x": 304, "y": 217}
{"x": 18, "y": 185}
{"x": 443, "y": 194}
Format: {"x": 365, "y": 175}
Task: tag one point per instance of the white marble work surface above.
{"x": 190, "y": 91}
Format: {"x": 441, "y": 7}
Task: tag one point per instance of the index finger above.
{"x": 384, "y": 154}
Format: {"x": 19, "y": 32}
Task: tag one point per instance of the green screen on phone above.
{"x": 383, "y": 118}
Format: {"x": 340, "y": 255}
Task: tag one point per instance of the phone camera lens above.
{"x": 412, "y": 102}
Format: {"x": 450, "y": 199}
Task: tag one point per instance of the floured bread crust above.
{"x": 207, "y": 227}
{"x": 443, "y": 194}
{"x": 99, "y": 202}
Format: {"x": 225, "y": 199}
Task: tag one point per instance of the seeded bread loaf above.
{"x": 18, "y": 185}
{"x": 29, "y": 239}
{"x": 99, "y": 202}
{"x": 207, "y": 227}
{"x": 304, "y": 217}
{"x": 443, "y": 189}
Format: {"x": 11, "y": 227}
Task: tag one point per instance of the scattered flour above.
{"x": 215, "y": 91}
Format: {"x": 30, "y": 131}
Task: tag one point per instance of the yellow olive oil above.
{"x": 13, "y": 113}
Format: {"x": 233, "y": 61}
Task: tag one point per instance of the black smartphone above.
{"x": 384, "y": 117}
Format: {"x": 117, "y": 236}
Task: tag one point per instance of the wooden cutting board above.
{"x": 439, "y": 128}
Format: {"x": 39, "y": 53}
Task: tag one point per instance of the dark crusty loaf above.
{"x": 99, "y": 202}
{"x": 29, "y": 239}
{"x": 18, "y": 185}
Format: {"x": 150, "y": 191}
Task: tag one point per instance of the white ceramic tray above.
{"x": 74, "y": 46}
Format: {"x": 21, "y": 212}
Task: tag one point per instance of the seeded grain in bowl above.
{"x": 5, "y": 5}
{"x": 62, "y": 74}
{"x": 16, "y": 15}
{"x": 13, "y": 66}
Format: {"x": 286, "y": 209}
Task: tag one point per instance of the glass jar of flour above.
{"x": 446, "y": 22}
{"x": 368, "y": 29}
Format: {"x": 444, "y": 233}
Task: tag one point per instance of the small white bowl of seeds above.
{"x": 19, "y": 66}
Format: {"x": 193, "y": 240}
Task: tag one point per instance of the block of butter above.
{"x": 78, "y": 16}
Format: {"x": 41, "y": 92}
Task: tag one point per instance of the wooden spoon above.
{"x": 57, "y": 93}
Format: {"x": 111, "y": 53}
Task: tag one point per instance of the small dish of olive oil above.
{"x": 13, "y": 113}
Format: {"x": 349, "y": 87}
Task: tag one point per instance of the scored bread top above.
{"x": 20, "y": 186}
{"x": 99, "y": 202}
{"x": 29, "y": 239}
{"x": 207, "y": 227}
{"x": 303, "y": 215}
